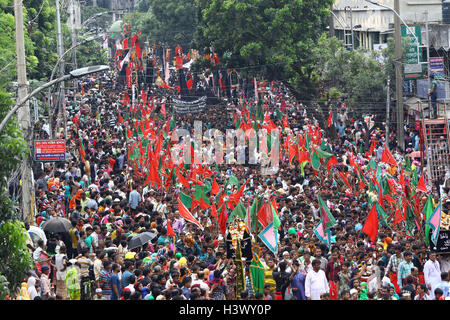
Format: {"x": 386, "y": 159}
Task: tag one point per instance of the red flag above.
{"x": 214, "y": 210}
{"x": 401, "y": 180}
{"x": 120, "y": 119}
{"x": 163, "y": 110}
{"x": 223, "y": 220}
{"x": 190, "y": 82}
{"x": 222, "y": 84}
{"x": 235, "y": 197}
{"x": 344, "y": 179}
{"x": 421, "y": 186}
{"x": 169, "y": 229}
{"x": 387, "y": 157}
{"x": 398, "y": 216}
{"x": 371, "y": 226}
{"x": 215, "y": 189}
{"x": 332, "y": 161}
{"x": 182, "y": 180}
{"x": 380, "y": 197}
{"x": 330, "y": 120}
{"x": 184, "y": 212}
{"x": 265, "y": 215}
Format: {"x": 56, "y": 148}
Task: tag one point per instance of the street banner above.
{"x": 189, "y": 106}
{"x": 49, "y": 150}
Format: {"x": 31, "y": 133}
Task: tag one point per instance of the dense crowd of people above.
{"x": 108, "y": 204}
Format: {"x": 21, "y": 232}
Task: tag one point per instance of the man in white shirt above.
{"x": 432, "y": 273}
{"x": 316, "y": 282}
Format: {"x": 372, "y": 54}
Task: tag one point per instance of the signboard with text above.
{"x": 437, "y": 67}
{"x": 50, "y": 150}
{"x": 413, "y": 56}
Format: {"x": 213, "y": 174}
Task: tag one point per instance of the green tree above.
{"x": 14, "y": 257}
{"x": 166, "y": 21}
{"x": 276, "y": 36}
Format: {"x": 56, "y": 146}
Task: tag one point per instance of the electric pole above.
{"x": 24, "y": 115}
{"x": 61, "y": 98}
{"x": 388, "y": 107}
{"x": 399, "y": 76}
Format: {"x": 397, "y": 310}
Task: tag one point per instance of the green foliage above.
{"x": 15, "y": 261}
{"x": 91, "y": 54}
{"x": 4, "y": 290}
{"x": 104, "y": 21}
{"x": 166, "y": 21}
{"x": 142, "y": 5}
{"x": 15, "y": 258}
{"x": 355, "y": 74}
{"x": 13, "y": 148}
{"x": 277, "y": 36}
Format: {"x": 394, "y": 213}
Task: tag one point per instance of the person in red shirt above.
{"x": 332, "y": 270}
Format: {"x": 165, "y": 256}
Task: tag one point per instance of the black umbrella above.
{"x": 141, "y": 239}
{"x": 56, "y": 225}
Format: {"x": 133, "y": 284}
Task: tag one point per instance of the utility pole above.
{"x": 73, "y": 32}
{"x": 331, "y": 22}
{"x": 399, "y": 76}
{"x": 388, "y": 107}
{"x": 429, "y": 64}
{"x": 24, "y": 115}
{"x": 61, "y": 99}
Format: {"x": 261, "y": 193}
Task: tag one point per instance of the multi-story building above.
{"x": 373, "y": 24}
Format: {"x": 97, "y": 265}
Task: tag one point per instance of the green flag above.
{"x": 315, "y": 161}
{"x": 256, "y": 205}
{"x": 372, "y": 164}
{"x": 323, "y": 154}
{"x": 428, "y": 211}
{"x": 238, "y": 211}
{"x": 186, "y": 200}
{"x": 382, "y": 215}
{"x": 408, "y": 164}
{"x": 327, "y": 218}
{"x": 276, "y": 219}
{"x": 233, "y": 181}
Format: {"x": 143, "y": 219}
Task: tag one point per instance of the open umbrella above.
{"x": 37, "y": 233}
{"x": 141, "y": 239}
{"x": 57, "y": 225}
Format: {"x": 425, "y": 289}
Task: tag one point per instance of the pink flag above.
{"x": 435, "y": 222}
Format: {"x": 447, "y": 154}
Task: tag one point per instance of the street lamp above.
{"x": 410, "y": 31}
{"x": 72, "y": 75}
{"x": 50, "y": 113}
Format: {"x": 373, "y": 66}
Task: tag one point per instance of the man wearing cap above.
{"x": 45, "y": 283}
{"x": 99, "y": 294}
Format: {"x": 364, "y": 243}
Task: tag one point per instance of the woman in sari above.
{"x": 73, "y": 282}
{"x": 75, "y": 198}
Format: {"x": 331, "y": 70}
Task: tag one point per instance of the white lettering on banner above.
{"x": 189, "y": 106}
